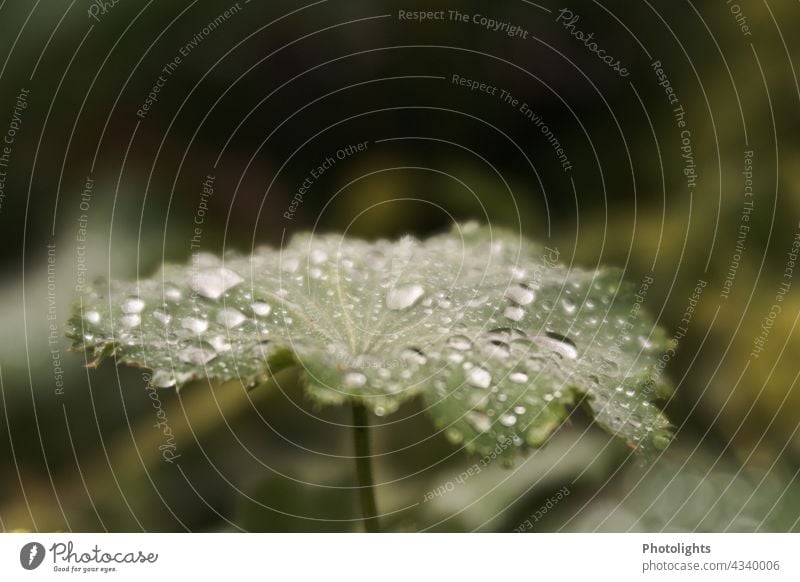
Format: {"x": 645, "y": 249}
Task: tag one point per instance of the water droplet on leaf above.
{"x": 404, "y": 297}
{"x": 194, "y": 324}
{"x": 261, "y": 309}
{"x": 354, "y": 379}
{"x": 230, "y": 317}
{"x": 197, "y": 355}
{"x": 479, "y": 377}
{"x": 479, "y": 421}
{"x": 132, "y": 305}
{"x": 520, "y": 294}
{"x": 212, "y": 283}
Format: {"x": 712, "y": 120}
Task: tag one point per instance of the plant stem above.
{"x": 366, "y": 485}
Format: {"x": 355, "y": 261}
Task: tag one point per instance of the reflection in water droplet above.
{"x": 261, "y": 309}
{"x": 518, "y": 377}
{"x": 194, "y": 324}
{"x": 92, "y": 316}
{"x": 354, "y": 379}
{"x": 569, "y": 306}
{"x": 230, "y": 317}
{"x": 404, "y": 297}
{"x": 519, "y": 410}
{"x": 132, "y": 305}
{"x": 479, "y": 421}
{"x": 479, "y": 377}
{"x": 520, "y": 295}
{"x": 212, "y": 283}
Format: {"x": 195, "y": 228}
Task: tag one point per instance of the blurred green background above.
{"x": 263, "y": 98}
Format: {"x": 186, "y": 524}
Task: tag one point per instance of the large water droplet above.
{"x": 354, "y": 379}
{"x": 163, "y": 379}
{"x": 497, "y": 351}
{"x": 230, "y": 317}
{"x": 508, "y": 420}
{"x": 518, "y": 273}
{"x": 131, "y": 320}
{"x": 163, "y": 317}
{"x": 317, "y": 256}
{"x": 197, "y": 355}
{"x": 92, "y": 316}
{"x": 479, "y": 377}
{"x": 479, "y": 421}
{"x": 220, "y": 343}
{"x": 132, "y": 305}
{"x": 290, "y": 265}
{"x": 194, "y": 324}
{"x": 514, "y": 312}
{"x": 173, "y": 294}
{"x": 455, "y": 357}
{"x": 505, "y": 334}
{"x": 414, "y": 356}
{"x": 212, "y": 283}
{"x": 518, "y": 377}
{"x": 404, "y": 297}
{"x": 261, "y": 309}
{"x": 520, "y": 295}
{"x": 459, "y": 342}
{"x": 559, "y": 343}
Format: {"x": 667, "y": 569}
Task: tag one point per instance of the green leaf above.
{"x": 496, "y": 337}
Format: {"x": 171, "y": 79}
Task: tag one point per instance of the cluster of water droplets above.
{"x": 499, "y": 344}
